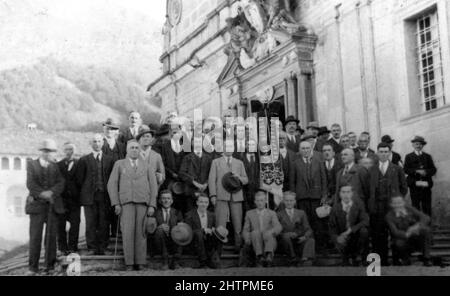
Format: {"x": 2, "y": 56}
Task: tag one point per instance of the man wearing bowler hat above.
{"x": 226, "y": 177}
{"x": 419, "y": 167}
{"x": 133, "y": 190}
{"x": 395, "y": 158}
{"x": 154, "y": 160}
{"x": 203, "y": 223}
{"x": 293, "y": 140}
{"x": 45, "y": 184}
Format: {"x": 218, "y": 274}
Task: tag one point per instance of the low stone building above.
{"x": 381, "y": 66}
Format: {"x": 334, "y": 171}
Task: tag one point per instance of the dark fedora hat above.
{"x": 182, "y": 234}
{"x": 109, "y": 123}
{"x": 231, "y": 183}
{"x": 163, "y": 130}
{"x": 144, "y": 129}
{"x": 419, "y": 139}
{"x": 291, "y": 119}
{"x": 387, "y": 139}
{"x": 323, "y": 130}
{"x": 177, "y": 187}
{"x": 221, "y": 233}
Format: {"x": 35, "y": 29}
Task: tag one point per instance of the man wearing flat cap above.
{"x": 45, "y": 184}
{"x": 419, "y": 167}
{"x": 133, "y": 190}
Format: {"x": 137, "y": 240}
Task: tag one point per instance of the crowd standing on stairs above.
{"x": 139, "y": 183}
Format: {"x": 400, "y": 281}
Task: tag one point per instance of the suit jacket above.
{"x": 193, "y": 220}
{"x": 156, "y": 164}
{"x": 358, "y": 177}
{"x": 38, "y": 183}
{"x": 219, "y": 168}
{"x": 316, "y": 187}
{"x": 86, "y": 174}
{"x": 357, "y": 218}
{"x": 293, "y": 146}
{"x": 71, "y": 193}
{"x": 332, "y": 175}
{"x": 252, "y": 170}
{"x": 171, "y": 159}
{"x": 298, "y": 224}
{"x": 175, "y": 217}
{"x": 414, "y": 162}
{"x": 270, "y": 223}
{"x": 337, "y": 147}
{"x": 286, "y": 164}
{"x": 196, "y": 169}
{"x": 118, "y": 152}
{"x": 370, "y": 154}
{"x": 127, "y": 185}
{"x": 396, "y": 185}
{"x": 399, "y": 225}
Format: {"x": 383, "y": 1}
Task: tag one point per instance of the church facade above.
{"x": 381, "y": 66}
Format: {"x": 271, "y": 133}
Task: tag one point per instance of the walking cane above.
{"x": 115, "y": 245}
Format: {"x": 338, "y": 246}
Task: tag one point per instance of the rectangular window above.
{"x": 429, "y": 61}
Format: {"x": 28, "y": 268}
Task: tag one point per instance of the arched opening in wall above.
{"x": 5, "y": 163}
{"x": 15, "y": 200}
{"x": 17, "y": 164}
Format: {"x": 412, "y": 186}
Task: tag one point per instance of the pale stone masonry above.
{"x": 358, "y": 64}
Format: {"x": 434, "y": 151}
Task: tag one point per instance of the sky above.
{"x": 115, "y": 33}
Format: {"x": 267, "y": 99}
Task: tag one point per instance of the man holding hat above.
{"x": 133, "y": 190}
{"x": 226, "y": 177}
{"x": 203, "y": 224}
{"x": 93, "y": 174}
{"x": 166, "y": 219}
{"x": 145, "y": 139}
{"x": 45, "y": 184}
{"x": 419, "y": 167}
{"x": 395, "y": 158}
{"x": 293, "y": 140}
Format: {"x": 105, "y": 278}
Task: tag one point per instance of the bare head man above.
{"x": 133, "y": 149}
{"x": 348, "y": 156}
{"x": 135, "y": 119}
{"x": 384, "y": 152}
{"x": 352, "y": 139}
{"x": 282, "y": 139}
{"x": 305, "y": 149}
{"x": 336, "y": 131}
{"x": 346, "y": 194}
{"x": 202, "y": 202}
{"x": 363, "y": 141}
{"x": 345, "y": 141}
{"x": 97, "y": 143}
{"x": 260, "y": 200}
{"x": 366, "y": 162}
{"x": 166, "y": 199}
{"x": 328, "y": 152}
{"x": 289, "y": 199}
{"x": 69, "y": 150}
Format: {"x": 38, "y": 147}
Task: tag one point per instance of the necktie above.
{"x": 291, "y": 214}
{"x": 346, "y": 170}
{"x": 98, "y": 158}
{"x": 328, "y": 165}
{"x": 134, "y": 165}
{"x": 166, "y": 218}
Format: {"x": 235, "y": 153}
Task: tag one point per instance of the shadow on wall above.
{"x": 441, "y": 204}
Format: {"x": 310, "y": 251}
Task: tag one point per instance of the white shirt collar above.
{"x": 349, "y": 166}
{"x": 331, "y": 162}
{"x": 99, "y": 153}
{"x": 134, "y": 161}
{"x": 384, "y": 164}
{"x": 418, "y": 153}
{"x": 347, "y": 207}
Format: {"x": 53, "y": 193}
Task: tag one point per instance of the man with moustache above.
{"x": 132, "y": 131}
{"x": 293, "y": 140}
{"x": 112, "y": 146}
{"x": 145, "y": 138}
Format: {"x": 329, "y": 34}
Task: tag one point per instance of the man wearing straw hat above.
{"x": 45, "y": 184}
{"x": 132, "y": 189}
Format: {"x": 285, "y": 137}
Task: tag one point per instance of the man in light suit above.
{"x": 227, "y": 204}
{"x": 154, "y": 159}
{"x": 353, "y": 174}
{"x": 133, "y": 190}
{"x": 308, "y": 179}
{"x": 296, "y": 237}
{"x": 260, "y": 230}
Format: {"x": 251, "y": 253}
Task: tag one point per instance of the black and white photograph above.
{"x": 224, "y": 139}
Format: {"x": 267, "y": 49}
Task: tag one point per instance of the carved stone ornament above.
{"x": 174, "y": 10}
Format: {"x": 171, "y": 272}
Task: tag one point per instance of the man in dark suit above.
{"x": 322, "y": 137}
{"x": 251, "y": 164}
{"x": 166, "y": 218}
{"x": 93, "y": 175}
{"x": 335, "y": 138}
{"x": 194, "y": 172}
{"x": 349, "y": 224}
{"x": 71, "y": 198}
{"x": 333, "y": 164}
{"x": 293, "y": 140}
{"x": 363, "y": 150}
{"x": 419, "y": 167}
{"x": 132, "y": 131}
{"x": 386, "y": 180}
{"x": 395, "y": 157}
{"x": 354, "y": 175}
{"x": 308, "y": 179}
{"x": 409, "y": 231}
{"x": 203, "y": 223}
{"x": 45, "y": 184}
{"x": 287, "y": 157}
{"x": 111, "y": 145}
{"x": 296, "y": 236}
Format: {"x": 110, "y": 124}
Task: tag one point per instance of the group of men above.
{"x": 337, "y": 191}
